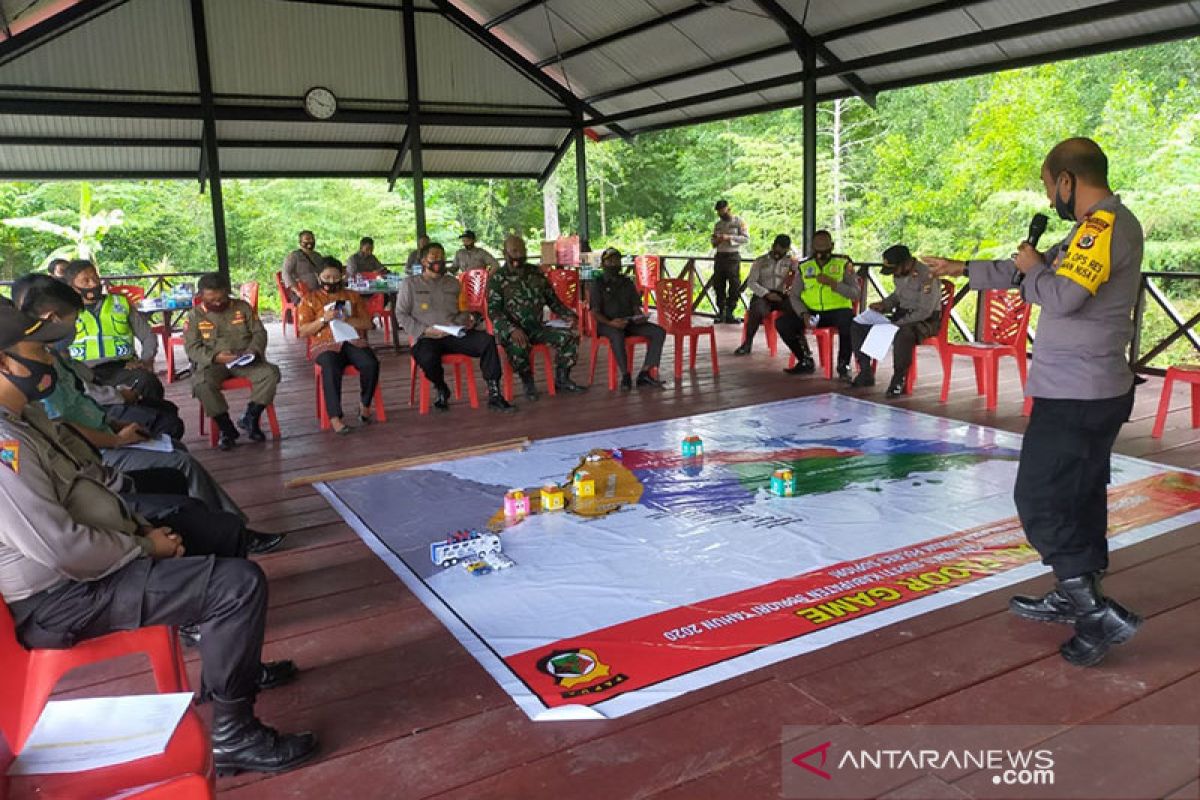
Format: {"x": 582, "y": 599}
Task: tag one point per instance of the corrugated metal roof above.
{"x": 104, "y": 71}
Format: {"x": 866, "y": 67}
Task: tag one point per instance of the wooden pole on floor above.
{"x": 519, "y": 443}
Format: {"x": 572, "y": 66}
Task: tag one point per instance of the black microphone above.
{"x": 1037, "y": 226}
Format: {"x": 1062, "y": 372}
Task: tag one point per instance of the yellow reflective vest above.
{"x": 104, "y": 334}
{"x": 818, "y": 297}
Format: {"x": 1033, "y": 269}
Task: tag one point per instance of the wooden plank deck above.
{"x": 404, "y": 712}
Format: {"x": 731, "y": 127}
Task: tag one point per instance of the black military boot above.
{"x": 189, "y": 635}
{"x": 241, "y": 743}
{"x": 1099, "y": 622}
{"x": 531, "y": 392}
{"x": 843, "y": 372}
{"x": 563, "y": 382}
{"x": 496, "y": 401}
{"x": 896, "y": 386}
{"x": 442, "y": 400}
{"x": 258, "y": 543}
{"x": 1053, "y": 606}
{"x": 228, "y": 431}
{"x": 274, "y": 674}
{"x": 804, "y": 366}
{"x": 250, "y": 422}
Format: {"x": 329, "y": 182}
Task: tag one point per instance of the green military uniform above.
{"x": 516, "y": 296}
{"x": 235, "y": 329}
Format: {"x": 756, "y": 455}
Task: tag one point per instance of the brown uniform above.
{"x": 236, "y": 329}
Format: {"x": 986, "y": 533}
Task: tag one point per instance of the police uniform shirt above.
{"x": 768, "y": 274}
{"x": 1087, "y": 289}
{"x": 235, "y": 329}
{"x": 738, "y": 235}
{"x": 362, "y": 262}
{"x": 301, "y": 267}
{"x": 426, "y": 300}
{"x": 474, "y": 258}
{"x": 918, "y": 295}
{"x": 58, "y": 522}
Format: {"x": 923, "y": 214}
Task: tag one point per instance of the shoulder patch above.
{"x": 10, "y": 454}
{"x": 1088, "y": 258}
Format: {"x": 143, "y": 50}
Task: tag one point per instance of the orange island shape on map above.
{"x": 616, "y": 487}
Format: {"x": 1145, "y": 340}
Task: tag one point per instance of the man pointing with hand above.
{"x": 1082, "y": 389}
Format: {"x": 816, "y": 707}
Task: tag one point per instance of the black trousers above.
{"x": 903, "y": 346}
{"x": 156, "y": 416}
{"x": 789, "y": 326}
{"x": 428, "y": 352}
{"x": 727, "y": 282}
{"x": 116, "y": 373}
{"x": 1062, "y": 482}
{"x": 616, "y": 336}
{"x": 840, "y": 318}
{"x": 225, "y": 597}
{"x": 333, "y": 365}
{"x": 204, "y": 532}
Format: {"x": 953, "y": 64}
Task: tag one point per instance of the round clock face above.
{"x": 320, "y": 103}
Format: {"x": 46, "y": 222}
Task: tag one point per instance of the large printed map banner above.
{"x": 682, "y": 572}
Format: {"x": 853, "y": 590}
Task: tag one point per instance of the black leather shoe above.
{"x": 743, "y": 349}
{"x": 1053, "y": 606}
{"x": 250, "y": 424}
{"x": 263, "y": 542}
{"x": 442, "y": 401}
{"x": 843, "y": 371}
{"x": 531, "y": 392}
{"x": 189, "y": 635}
{"x": 646, "y": 379}
{"x": 226, "y": 442}
{"x": 626, "y": 383}
{"x": 804, "y": 366}
{"x": 563, "y": 382}
{"x": 241, "y": 743}
{"x": 274, "y": 674}
{"x": 896, "y": 387}
{"x": 1100, "y": 623}
{"x": 496, "y": 401}
{"x": 864, "y": 378}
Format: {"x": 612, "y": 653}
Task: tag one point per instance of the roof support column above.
{"x": 585, "y": 245}
{"x": 809, "y": 54}
{"x": 413, "y": 135}
{"x": 211, "y": 164}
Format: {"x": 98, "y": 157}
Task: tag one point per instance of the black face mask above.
{"x": 436, "y": 267}
{"x": 91, "y": 296}
{"x": 330, "y": 288}
{"x": 1065, "y": 208}
{"x": 39, "y": 383}
{"x": 216, "y": 307}
{"x": 611, "y": 270}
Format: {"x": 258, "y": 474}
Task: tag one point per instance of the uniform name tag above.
{"x": 1088, "y": 259}
{"x": 238, "y": 318}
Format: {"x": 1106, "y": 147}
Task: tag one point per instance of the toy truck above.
{"x": 462, "y": 546}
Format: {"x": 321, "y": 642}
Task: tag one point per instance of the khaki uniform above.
{"x": 473, "y": 258}
{"x": 301, "y": 267}
{"x": 235, "y": 329}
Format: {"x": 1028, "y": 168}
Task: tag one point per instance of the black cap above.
{"x": 16, "y": 326}
{"x": 610, "y": 251}
{"x": 468, "y": 234}
{"x": 894, "y": 256}
{"x": 720, "y": 205}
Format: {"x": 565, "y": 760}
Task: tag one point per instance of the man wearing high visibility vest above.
{"x": 828, "y": 293}
{"x": 105, "y": 334}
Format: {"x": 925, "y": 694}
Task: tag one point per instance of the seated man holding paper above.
{"x": 77, "y": 563}
{"x": 431, "y": 308}
{"x": 910, "y": 314}
{"x": 336, "y": 321}
{"x": 517, "y": 295}
{"x": 617, "y": 307}
{"x": 226, "y": 339}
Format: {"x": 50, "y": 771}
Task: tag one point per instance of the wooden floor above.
{"x": 404, "y": 712}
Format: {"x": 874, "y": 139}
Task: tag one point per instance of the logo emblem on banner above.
{"x": 579, "y": 668}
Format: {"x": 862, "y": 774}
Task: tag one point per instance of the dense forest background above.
{"x": 949, "y": 168}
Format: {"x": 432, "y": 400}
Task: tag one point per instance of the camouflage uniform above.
{"x": 516, "y": 296}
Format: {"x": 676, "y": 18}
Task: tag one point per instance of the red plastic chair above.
{"x": 1185, "y": 373}
{"x": 31, "y": 675}
{"x": 226, "y": 385}
{"x": 474, "y": 290}
{"x": 566, "y": 286}
{"x": 323, "y": 415}
{"x": 940, "y": 340}
{"x": 1006, "y": 322}
{"x": 287, "y": 308}
{"x": 647, "y": 270}
{"x": 249, "y": 293}
{"x": 673, "y": 297}
{"x": 602, "y": 341}
{"x": 418, "y": 379}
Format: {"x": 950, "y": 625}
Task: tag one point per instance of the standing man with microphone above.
{"x": 1082, "y": 390}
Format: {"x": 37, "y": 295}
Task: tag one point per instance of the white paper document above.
{"x": 159, "y": 444}
{"x": 243, "y": 360}
{"x": 457, "y": 331}
{"x": 95, "y": 732}
{"x": 872, "y": 317}
{"x": 879, "y": 340}
{"x": 343, "y": 331}
{"x": 559, "y": 323}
